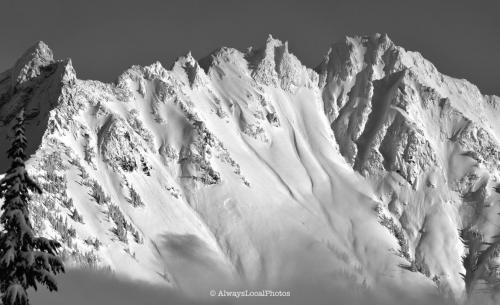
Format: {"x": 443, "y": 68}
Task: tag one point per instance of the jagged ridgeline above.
{"x": 250, "y": 167}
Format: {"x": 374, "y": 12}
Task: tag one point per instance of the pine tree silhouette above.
{"x": 25, "y": 260}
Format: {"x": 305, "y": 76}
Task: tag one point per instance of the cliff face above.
{"x": 256, "y": 170}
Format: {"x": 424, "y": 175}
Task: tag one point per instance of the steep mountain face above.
{"x": 252, "y": 169}
{"x": 427, "y": 142}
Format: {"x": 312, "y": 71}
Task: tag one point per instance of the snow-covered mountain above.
{"x": 248, "y": 169}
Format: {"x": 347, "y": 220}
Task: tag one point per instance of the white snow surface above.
{"x": 256, "y": 171}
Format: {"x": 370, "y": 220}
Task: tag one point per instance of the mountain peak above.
{"x": 190, "y": 71}
{"x": 272, "y": 42}
{"x": 41, "y": 50}
{"x": 28, "y": 65}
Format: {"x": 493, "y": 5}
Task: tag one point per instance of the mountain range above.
{"x": 372, "y": 171}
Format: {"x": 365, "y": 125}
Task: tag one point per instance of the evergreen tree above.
{"x": 25, "y": 260}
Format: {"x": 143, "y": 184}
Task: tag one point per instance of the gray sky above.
{"x": 462, "y": 38}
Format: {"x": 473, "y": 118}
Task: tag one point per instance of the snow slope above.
{"x": 248, "y": 169}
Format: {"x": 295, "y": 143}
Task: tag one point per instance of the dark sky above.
{"x": 462, "y": 38}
